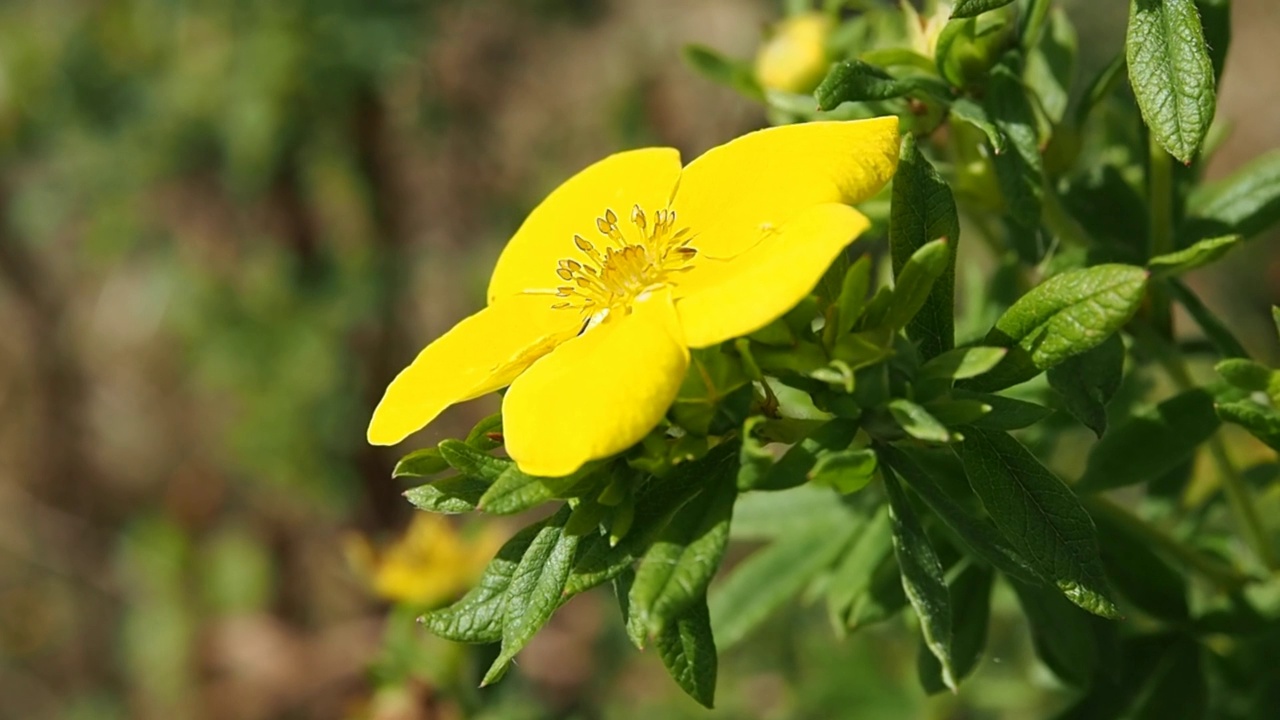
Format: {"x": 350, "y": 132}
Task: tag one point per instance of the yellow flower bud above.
{"x": 794, "y": 57}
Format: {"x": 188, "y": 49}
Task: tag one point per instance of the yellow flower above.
{"x": 794, "y": 57}
{"x": 598, "y": 296}
{"x": 430, "y": 565}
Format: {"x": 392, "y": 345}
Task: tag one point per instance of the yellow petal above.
{"x": 724, "y": 299}
{"x": 597, "y": 394}
{"x": 645, "y": 177}
{"x": 735, "y": 194}
{"x": 481, "y": 354}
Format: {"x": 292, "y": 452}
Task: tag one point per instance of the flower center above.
{"x": 638, "y": 258}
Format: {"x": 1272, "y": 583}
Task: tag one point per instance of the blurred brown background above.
{"x": 224, "y": 226}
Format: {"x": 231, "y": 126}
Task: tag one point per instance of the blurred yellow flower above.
{"x": 794, "y": 58}
{"x": 429, "y": 565}
{"x": 592, "y": 335}
{"x": 922, "y": 33}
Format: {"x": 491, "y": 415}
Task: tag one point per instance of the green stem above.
{"x": 1224, "y": 576}
{"x": 1160, "y": 227}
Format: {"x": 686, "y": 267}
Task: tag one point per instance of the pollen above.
{"x": 638, "y": 257}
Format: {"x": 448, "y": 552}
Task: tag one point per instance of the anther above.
{"x": 610, "y": 217}
{"x": 564, "y": 274}
{"x": 637, "y": 217}
{"x": 583, "y": 245}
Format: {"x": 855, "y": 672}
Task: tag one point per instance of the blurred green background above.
{"x": 225, "y": 225}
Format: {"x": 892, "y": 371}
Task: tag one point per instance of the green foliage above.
{"x": 887, "y": 453}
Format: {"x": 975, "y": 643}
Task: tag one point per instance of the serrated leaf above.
{"x": 1051, "y": 65}
{"x": 970, "y": 592}
{"x": 924, "y": 210}
{"x": 679, "y": 565}
{"x": 1066, "y": 315}
{"x": 1213, "y": 328}
{"x": 515, "y": 492}
{"x": 1171, "y": 73}
{"x": 1198, "y": 255}
{"x": 719, "y": 69}
{"x": 917, "y": 422}
{"x": 914, "y": 284}
{"x": 1150, "y": 443}
{"x": 688, "y": 649}
{"x": 473, "y": 461}
{"x": 448, "y": 496}
{"x": 1039, "y": 515}
{"x": 962, "y": 363}
{"x": 922, "y": 576}
{"x": 1088, "y": 381}
{"x": 478, "y": 616}
{"x": 534, "y": 592}
{"x": 766, "y": 580}
{"x": 846, "y": 471}
{"x": 656, "y": 500}
{"x": 1019, "y": 172}
{"x": 973, "y": 8}
{"x": 1261, "y": 422}
{"x": 1245, "y": 203}
{"x": 1060, "y": 633}
{"x": 978, "y": 534}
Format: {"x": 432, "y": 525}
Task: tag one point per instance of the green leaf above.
{"x": 600, "y": 561}
{"x": 970, "y": 592}
{"x": 449, "y": 496}
{"x": 1039, "y": 515}
{"x": 480, "y": 436}
{"x": 1006, "y": 413}
{"x": 1250, "y": 376}
{"x": 766, "y": 580}
{"x": 796, "y": 465}
{"x": 973, "y": 8}
{"x": 1019, "y": 173}
{"x": 1213, "y": 328}
{"x": 1066, "y": 315}
{"x": 473, "y": 461}
{"x": 680, "y": 563}
{"x": 515, "y": 492}
{"x": 962, "y": 363}
{"x": 1151, "y": 443}
{"x": 924, "y": 210}
{"x": 922, "y": 577}
{"x": 968, "y": 111}
{"x": 1051, "y": 65}
{"x": 846, "y": 471}
{"x": 420, "y": 463}
{"x": 1088, "y": 381}
{"x": 776, "y": 515}
{"x": 979, "y": 535}
{"x": 1262, "y": 422}
{"x": 688, "y": 650}
{"x": 1139, "y": 574}
{"x": 1171, "y": 73}
{"x": 1178, "y": 687}
{"x": 535, "y": 591}
{"x": 1246, "y": 203}
{"x": 883, "y": 598}
{"x": 855, "y": 574}
{"x": 1061, "y": 634}
{"x": 1100, "y": 88}
{"x": 858, "y": 81}
{"x": 721, "y": 70}
{"x": 853, "y": 295}
{"x": 917, "y": 422}
{"x": 478, "y": 616}
{"x": 914, "y": 284}
{"x": 1198, "y": 255}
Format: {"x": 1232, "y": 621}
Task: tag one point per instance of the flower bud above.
{"x": 794, "y": 57}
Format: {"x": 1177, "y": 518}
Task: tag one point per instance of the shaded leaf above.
{"x": 913, "y": 285}
{"x": 451, "y": 495}
{"x": 1245, "y": 203}
{"x": 968, "y": 111}
{"x": 1051, "y": 65}
{"x": 1039, "y": 515}
{"x": 846, "y": 471}
{"x": 688, "y": 650}
{"x": 1262, "y": 422}
{"x": 1060, "y": 633}
{"x": 1198, "y": 255}
{"x": 917, "y": 422}
{"x": 1151, "y": 443}
{"x": 1019, "y": 172}
{"x": 970, "y": 592}
{"x": 1213, "y": 328}
{"x": 1088, "y": 381}
{"x": 858, "y": 81}
{"x": 973, "y": 8}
